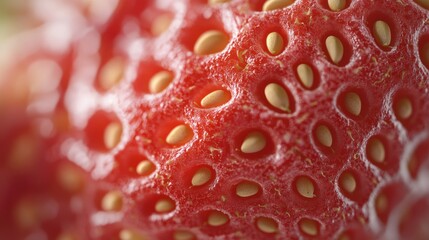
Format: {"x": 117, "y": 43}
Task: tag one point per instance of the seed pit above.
{"x": 305, "y": 187}
{"x": 424, "y": 50}
{"x": 179, "y": 135}
{"x": 247, "y": 189}
{"x": 347, "y": 182}
{"x": 103, "y": 131}
{"x": 202, "y": 176}
{"x": 383, "y": 29}
{"x": 254, "y": 142}
{"x": 112, "y": 201}
{"x": 217, "y": 218}
{"x": 271, "y": 5}
{"x": 111, "y": 73}
{"x": 375, "y": 150}
{"x": 267, "y": 225}
{"x": 324, "y": 136}
{"x": 309, "y": 227}
{"x": 275, "y": 43}
{"x": 352, "y": 103}
{"x": 403, "y": 108}
{"x": 211, "y": 42}
{"x": 160, "y": 81}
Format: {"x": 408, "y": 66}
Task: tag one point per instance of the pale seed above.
{"x": 183, "y": 235}
{"x": 324, "y": 135}
{"x": 217, "y": 218}
{"x": 275, "y": 43}
{"x": 213, "y": 2}
{"x": 201, "y": 177}
{"x": 335, "y": 49}
{"x": 164, "y": 206}
{"x": 277, "y": 97}
{"x": 160, "y": 81}
{"x": 270, "y": 5}
{"x": 112, "y": 201}
{"x": 376, "y": 151}
{"x": 211, "y": 42}
{"x": 145, "y": 167}
{"x": 382, "y": 33}
{"x": 247, "y": 189}
{"x": 353, "y": 103}
{"x": 348, "y": 182}
{"x": 112, "y": 73}
{"x": 305, "y": 74}
{"x": 336, "y": 5}
{"x": 267, "y": 225}
{"x": 160, "y": 24}
{"x": 253, "y": 143}
{"x": 215, "y": 99}
{"x": 403, "y": 108}
{"x": 127, "y": 234}
{"x": 305, "y": 187}
{"x": 309, "y": 227}
{"x": 179, "y": 135}
{"x": 112, "y": 135}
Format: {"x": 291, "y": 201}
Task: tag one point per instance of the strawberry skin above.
{"x": 217, "y": 119}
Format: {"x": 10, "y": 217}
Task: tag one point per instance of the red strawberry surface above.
{"x": 217, "y": 119}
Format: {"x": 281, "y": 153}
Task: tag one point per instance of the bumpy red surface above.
{"x": 71, "y": 169}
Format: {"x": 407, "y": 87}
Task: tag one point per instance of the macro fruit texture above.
{"x": 218, "y": 119}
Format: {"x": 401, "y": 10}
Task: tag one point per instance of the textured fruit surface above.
{"x": 198, "y": 119}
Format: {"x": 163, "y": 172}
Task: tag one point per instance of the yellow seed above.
{"x": 270, "y": 5}
{"x": 305, "y": 187}
{"x": 275, "y": 43}
{"x": 112, "y": 135}
{"x": 112, "y": 201}
{"x": 381, "y": 203}
{"x": 353, "y": 103}
{"x": 336, "y": 5}
{"x": 145, "y": 167}
{"x": 324, "y": 135}
{"x": 215, "y": 99}
{"x": 305, "y": 74}
{"x": 160, "y": 81}
{"x": 183, "y": 235}
{"x": 160, "y": 24}
{"x": 253, "y": 143}
{"x": 179, "y": 135}
{"x": 382, "y": 33}
{"x": 23, "y": 152}
{"x": 70, "y": 178}
{"x": 309, "y": 227}
{"x": 211, "y": 42}
{"x": 213, "y": 2}
{"x": 403, "y": 108}
{"x": 112, "y": 73}
{"x": 247, "y": 189}
{"x": 376, "y": 151}
{"x": 423, "y": 3}
{"x": 67, "y": 236}
{"x": 335, "y": 49}
{"x": 277, "y": 97}
{"x": 201, "y": 177}
{"x": 127, "y": 234}
{"x": 217, "y": 218}
{"x": 26, "y": 214}
{"x": 348, "y": 182}
{"x": 267, "y": 225}
{"x": 164, "y": 205}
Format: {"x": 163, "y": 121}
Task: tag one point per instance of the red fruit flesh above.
{"x": 149, "y": 137}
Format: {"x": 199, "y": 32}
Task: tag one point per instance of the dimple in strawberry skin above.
{"x": 220, "y": 119}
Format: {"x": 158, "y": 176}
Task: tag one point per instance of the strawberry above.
{"x": 218, "y": 119}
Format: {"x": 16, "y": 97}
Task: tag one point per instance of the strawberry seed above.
{"x": 382, "y": 33}
{"x": 247, "y": 189}
{"x": 275, "y": 43}
{"x": 160, "y": 81}
{"x": 277, "y": 97}
{"x": 201, "y": 177}
{"x": 253, "y": 143}
{"x": 270, "y": 5}
{"x": 337, "y": 5}
{"x": 179, "y": 135}
{"x": 267, "y": 225}
{"x": 335, "y": 49}
{"x": 112, "y": 135}
{"x": 305, "y": 187}
{"x": 305, "y": 74}
{"x": 215, "y": 99}
{"x": 217, "y": 218}
{"x": 112, "y": 201}
{"x": 210, "y": 42}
